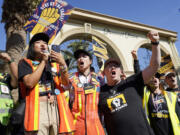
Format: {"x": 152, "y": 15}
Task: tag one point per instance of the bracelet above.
{"x": 155, "y": 43}
{"x": 12, "y": 60}
{"x": 63, "y": 68}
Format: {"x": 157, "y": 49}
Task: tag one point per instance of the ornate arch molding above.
{"x": 77, "y": 31}
{"x": 137, "y": 46}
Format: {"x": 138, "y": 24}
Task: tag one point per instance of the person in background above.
{"x": 136, "y": 62}
{"x": 171, "y": 81}
{"x": 135, "y": 65}
{"x": 99, "y": 75}
{"x": 160, "y": 108}
{"x": 120, "y": 101}
{"x": 42, "y": 76}
{"x": 7, "y": 83}
{"x": 123, "y": 75}
{"x": 84, "y": 96}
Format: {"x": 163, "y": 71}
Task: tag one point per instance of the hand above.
{"x": 134, "y": 55}
{"x": 57, "y": 57}
{"x": 123, "y": 76}
{"x": 45, "y": 56}
{"x": 5, "y": 56}
{"x": 47, "y": 17}
{"x": 153, "y": 36}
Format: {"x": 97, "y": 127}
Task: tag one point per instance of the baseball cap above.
{"x": 80, "y": 51}
{"x": 112, "y": 60}
{"x": 169, "y": 74}
{"x": 39, "y": 36}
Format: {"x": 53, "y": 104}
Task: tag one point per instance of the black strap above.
{"x": 46, "y": 93}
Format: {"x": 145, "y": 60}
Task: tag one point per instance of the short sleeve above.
{"x": 23, "y": 69}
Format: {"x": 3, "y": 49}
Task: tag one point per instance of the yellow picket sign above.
{"x": 165, "y": 68}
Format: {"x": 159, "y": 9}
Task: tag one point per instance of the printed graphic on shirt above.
{"x": 117, "y": 102}
{"x": 160, "y": 109}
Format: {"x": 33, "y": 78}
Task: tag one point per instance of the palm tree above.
{"x": 15, "y": 14}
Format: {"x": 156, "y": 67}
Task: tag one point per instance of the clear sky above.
{"x": 159, "y": 13}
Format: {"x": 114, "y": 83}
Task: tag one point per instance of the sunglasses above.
{"x": 170, "y": 75}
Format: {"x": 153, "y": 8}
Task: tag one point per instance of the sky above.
{"x": 158, "y": 13}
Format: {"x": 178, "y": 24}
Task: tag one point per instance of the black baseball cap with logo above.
{"x": 39, "y": 36}
{"x": 80, "y": 51}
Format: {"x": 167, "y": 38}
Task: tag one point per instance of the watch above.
{"x": 155, "y": 43}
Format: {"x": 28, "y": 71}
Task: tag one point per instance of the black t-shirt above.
{"x": 122, "y": 107}
{"x": 159, "y": 115}
{"x": 24, "y": 69}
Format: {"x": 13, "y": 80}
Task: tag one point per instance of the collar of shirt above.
{"x": 84, "y": 79}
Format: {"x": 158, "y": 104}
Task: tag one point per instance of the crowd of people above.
{"x": 97, "y": 104}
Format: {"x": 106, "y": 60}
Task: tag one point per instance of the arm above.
{"x": 136, "y": 62}
{"x": 30, "y": 80}
{"x": 155, "y": 58}
{"x": 123, "y": 75}
{"x": 58, "y": 58}
{"x": 14, "y": 72}
{"x": 13, "y": 69}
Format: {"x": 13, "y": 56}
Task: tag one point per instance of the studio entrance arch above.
{"x": 121, "y": 36}
{"x": 79, "y": 33}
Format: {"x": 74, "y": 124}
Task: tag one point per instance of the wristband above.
{"x": 63, "y": 68}
{"x": 155, "y": 43}
{"x": 12, "y": 60}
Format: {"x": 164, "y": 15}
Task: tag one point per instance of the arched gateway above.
{"x": 121, "y": 36}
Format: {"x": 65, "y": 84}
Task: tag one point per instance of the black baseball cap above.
{"x": 80, "y": 51}
{"x": 112, "y": 60}
{"x": 170, "y": 74}
{"x": 39, "y": 36}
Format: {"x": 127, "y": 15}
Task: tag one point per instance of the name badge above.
{"x": 4, "y": 89}
{"x": 89, "y": 88}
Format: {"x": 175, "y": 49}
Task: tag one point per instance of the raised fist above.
{"x": 134, "y": 55}
{"x": 153, "y": 36}
{"x": 48, "y": 16}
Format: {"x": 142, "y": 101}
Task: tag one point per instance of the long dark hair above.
{"x": 31, "y": 53}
